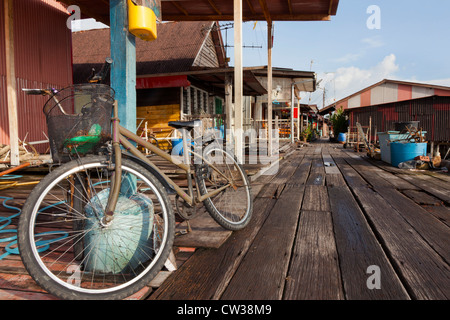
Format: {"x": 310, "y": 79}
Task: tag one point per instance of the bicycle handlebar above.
{"x": 38, "y": 92}
{"x": 103, "y": 73}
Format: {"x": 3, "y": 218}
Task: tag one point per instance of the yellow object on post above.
{"x": 141, "y": 22}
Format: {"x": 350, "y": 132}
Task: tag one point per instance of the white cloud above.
{"x": 439, "y": 82}
{"x": 373, "y": 42}
{"x": 369, "y": 44}
{"x": 352, "y": 79}
{"x": 349, "y": 57}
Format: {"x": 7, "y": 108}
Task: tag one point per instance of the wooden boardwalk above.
{"x": 327, "y": 224}
{"x": 324, "y": 227}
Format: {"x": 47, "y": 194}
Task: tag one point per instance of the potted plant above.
{"x": 339, "y": 122}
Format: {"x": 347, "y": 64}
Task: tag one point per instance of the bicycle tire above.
{"x": 231, "y": 208}
{"x": 120, "y": 258}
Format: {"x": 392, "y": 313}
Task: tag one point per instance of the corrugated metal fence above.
{"x": 433, "y": 114}
{"x": 43, "y": 59}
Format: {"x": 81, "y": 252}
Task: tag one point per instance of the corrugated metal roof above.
{"x": 222, "y": 10}
{"x": 389, "y": 81}
{"x": 174, "y": 50}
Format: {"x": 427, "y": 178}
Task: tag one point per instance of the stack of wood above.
{"x": 26, "y": 152}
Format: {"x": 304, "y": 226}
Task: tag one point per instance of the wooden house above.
{"x": 173, "y": 72}
{"x": 184, "y": 74}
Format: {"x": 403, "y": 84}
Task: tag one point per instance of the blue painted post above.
{"x": 123, "y": 70}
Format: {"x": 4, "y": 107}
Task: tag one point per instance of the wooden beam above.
{"x": 247, "y": 17}
{"x": 266, "y": 11}
{"x": 250, "y": 6}
{"x": 238, "y": 81}
{"x": 290, "y": 6}
{"x": 213, "y": 5}
{"x": 269, "y": 89}
{"x": 330, "y": 7}
{"x": 123, "y": 71}
{"x": 179, "y": 7}
{"x": 11, "y": 90}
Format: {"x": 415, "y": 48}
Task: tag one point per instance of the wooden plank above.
{"x": 205, "y": 233}
{"x": 314, "y": 272}
{"x": 317, "y": 174}
{"x": 262, "y": 273}
{"x": 328, "y": 163}
{"x": 358, "y": 247}
{"x": 206, "y": 274}
{"x": 440, "y": 212}
{"x": 315, "y": 199}
{"x": 11, "y": 92}
{"x": 421, "y": 197}
{"x": 422, "y": 270}
{"x": 439, "y": 191}
{"x": 431, "y": 229}
{"x": 24, "y": 295}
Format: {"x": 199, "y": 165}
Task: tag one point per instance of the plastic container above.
{"x": 385, "y": 138}
{"x": 177, "y": 146}
{"x": 141, "y": 22}
{"x": 342, "y": 137}
{"x": 406, "y": 151}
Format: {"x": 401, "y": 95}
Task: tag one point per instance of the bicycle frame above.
{"x": 121, "y": 136}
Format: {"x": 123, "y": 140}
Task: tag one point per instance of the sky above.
{"x": 410, "y": 42}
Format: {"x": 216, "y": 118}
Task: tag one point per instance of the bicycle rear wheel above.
{"x": 232, "y": 208}
{"x": 69, "y": 250}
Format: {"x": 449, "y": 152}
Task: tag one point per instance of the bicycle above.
{"x": 101, "y": 225}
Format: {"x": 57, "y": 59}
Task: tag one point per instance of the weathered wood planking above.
{"x": 439, "y": 189}
{"x": 315, "y": 198}
{"x": 262, "y": 273}
{"x": 314, "y": 269}
{"x": 358, "y": 247}
{"x": 423, "y": 271}
{"x": 431, "y": 229}
{"x": 207, "y": 273}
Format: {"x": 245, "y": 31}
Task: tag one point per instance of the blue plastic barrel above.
{"x": 341, "y": 137}
{"x": 177, "y": 146}
{"x": 405, "y": 151}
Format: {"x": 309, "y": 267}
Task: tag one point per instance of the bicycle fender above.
{"x": 166, "y": 185}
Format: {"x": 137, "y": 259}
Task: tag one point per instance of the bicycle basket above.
{"x": 79, "y": 120}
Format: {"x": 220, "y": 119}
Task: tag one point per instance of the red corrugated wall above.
{"x": 433, "y": 114}
{"x": 43, "y": 59}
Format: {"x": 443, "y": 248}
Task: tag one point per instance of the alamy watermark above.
{"x": 374, "y": 20}
{"x": 374, "y": 280}
{"x": 255, "y": 147}
{"x": 74, "y": 21}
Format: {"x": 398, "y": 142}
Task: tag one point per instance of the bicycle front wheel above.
{"x": 233, "y": 206}
{"x": 71, "y": 252}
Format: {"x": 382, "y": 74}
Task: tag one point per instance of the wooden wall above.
{"x": 157, "y": 118}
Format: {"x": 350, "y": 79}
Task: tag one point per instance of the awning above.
{"x": 212, "y": 79}
{"x": 222, "y": 10}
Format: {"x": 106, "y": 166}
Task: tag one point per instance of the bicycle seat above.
{"x": 185, "y": 124}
